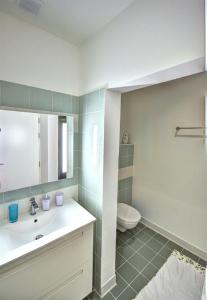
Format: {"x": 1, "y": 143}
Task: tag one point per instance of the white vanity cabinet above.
{"x": 61, "y": 270}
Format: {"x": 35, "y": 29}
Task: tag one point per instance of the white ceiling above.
{"x": 72, "y": 20}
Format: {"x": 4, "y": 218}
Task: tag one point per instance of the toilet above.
{"x": 127, "y": 217}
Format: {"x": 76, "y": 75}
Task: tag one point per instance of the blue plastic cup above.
{"x": 13, "y": 212}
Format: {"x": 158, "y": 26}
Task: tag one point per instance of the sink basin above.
{"x": 33, "y": 232}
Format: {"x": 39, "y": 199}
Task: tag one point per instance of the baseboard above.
{"x": 174, "y": 238}
{"x": 107, "y": 286}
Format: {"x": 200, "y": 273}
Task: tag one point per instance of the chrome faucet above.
{"x": 33, "y": 206}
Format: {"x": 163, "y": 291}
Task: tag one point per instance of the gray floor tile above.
{"x": 93, "y": 296}
{"x": 141, "y": 226}
{"x": 141, "y": 267}
{"x": 124, "y": 236}
{"x": 149, "y": 231}
{"x": 135, "y": 243}
{"x": 119, "y": 260}
{"x": 118, "y": 289}
{"x": 191, "y": 255}
{"x": 138, "y": 261}
{"x": 128, "y": 294}
{"x": 147, "y": 252}
{"x": 158, "y": 261}
{"x": 202, "y": 262}
{"x": 138, "y": 228}
{"x": 108, "y": 297}
{"x": 119, "y": 242}
{"x": 165, "y": 252}
{"x": 125, "y": 251}
{"x": 150, "y": 271}
{"x": 142, "y": 236}
{"x": 154, "y": 245}
{"x": 127, "y": 272}
{"x": 173, "y": 246}
{"x": 160, "y": 238}
{"x": 139, "y": 282}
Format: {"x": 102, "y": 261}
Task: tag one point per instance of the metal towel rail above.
{"x": 204, "y": 135}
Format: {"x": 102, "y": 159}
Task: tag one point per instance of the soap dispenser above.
{"x": 46, "y": 202}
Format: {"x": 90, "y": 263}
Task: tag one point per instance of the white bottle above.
{"x": 46, "y": 202}
{"x": 59, "y": 198}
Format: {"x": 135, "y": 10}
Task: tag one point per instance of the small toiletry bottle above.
{"x": 59, "y": 198}
{"x": 13, "y": 212}
{"x": 46, "y": 202}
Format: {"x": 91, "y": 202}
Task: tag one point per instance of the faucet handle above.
{"x": 33, "y": 203}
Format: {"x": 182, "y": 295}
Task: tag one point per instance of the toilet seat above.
{"x": 127, "y": 214}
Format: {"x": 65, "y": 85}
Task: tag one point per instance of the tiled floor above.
{"x": 140, "y": 254}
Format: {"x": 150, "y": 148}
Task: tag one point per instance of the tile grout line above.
{"x": 126, "y": 260}
{"x": 134, "y": 267}
{"x": 136, "y": 251}
{"x": 145, "y": 244}
{"x": 139, "y": 273}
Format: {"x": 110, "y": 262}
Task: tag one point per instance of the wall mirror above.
{"x": 34, "y": 148}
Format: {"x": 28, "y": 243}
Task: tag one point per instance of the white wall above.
{"x": 148, "y": 36}
{"x": 170, "y": 181}
{"x": 31, "y": 56}
{"x": 110, "y": 188}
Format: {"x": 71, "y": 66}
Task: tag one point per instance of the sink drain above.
{"x": 39, "y": 236}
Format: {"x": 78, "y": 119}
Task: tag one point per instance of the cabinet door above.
{"x": 76, "y": 287}
{"x": 38, "y": 276}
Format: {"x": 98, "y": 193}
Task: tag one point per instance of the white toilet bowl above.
{"x": 127, "y": 217}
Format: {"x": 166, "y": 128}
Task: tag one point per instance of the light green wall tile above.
{"x": 80, "y": 159}
{"x": 125, "y": 196}
{"x": 40, "y": 99}
{"x": 44, "y": 188}
{"x": 98, "y": 250}
{"x": 102, "y": 97}
{"x": 17, "y": 194}
{"x": 123, "y": 161}
{"x": 90, "y": 202}
{"x": 130, "y": 160}
{"x": 81, "y": 195}
{"x": 131, "y": 150}
{"x": 81, "y": 177}
{"x": 82, "y": 104}
{"x": 123, "y": 184}
{"x": 126, "y": 155}
{"x": 121, "y": 196}
{"x": 75, "y": 105}
{"x": 88, "y": 121}
{"x": 14, "y": 95}
{"x": 94, "y": 102}
{"x": 125, "y": 190}
{"x": 76, "y": 141}
{"x": 123, "y": 150}
{"x": 1, "y": 197}
{"x": 90, "y": 177}
{"x": 20, "y": 96}
{"x": 128, "y": 196}
{"x": 62, "y": 103}
{"x": 75, "y": 159}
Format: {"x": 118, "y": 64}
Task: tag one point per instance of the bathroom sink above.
{"x": 33, "y": 232}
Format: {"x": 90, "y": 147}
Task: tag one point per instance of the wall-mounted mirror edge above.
{"x": 23, "y": 146}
